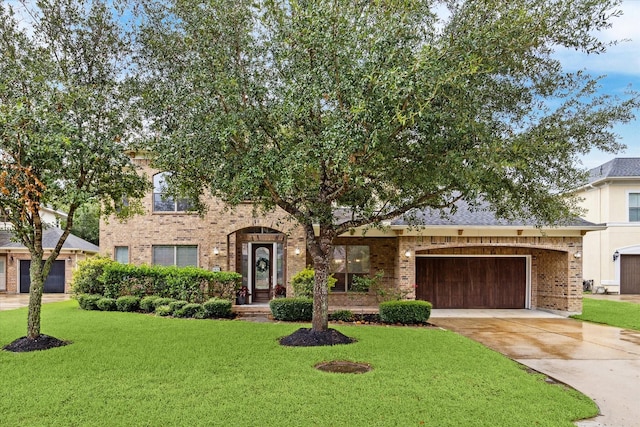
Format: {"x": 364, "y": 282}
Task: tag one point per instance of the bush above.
{"x": 128, "y": 303}
{"x": 217, "y": 308}
{"x": 161, "y": 301}
{"x": 177, "y": 305}
{"x": 164, "y": 310}
{"x": 342, "y": 315}
{"x": 87, "y": 278}
{"x": 302, "y": 283}
{"x": 88, "y": 302}
{"x": 106, "y": 304}
{"x": 147, "y": 304}
{"x": 191, "y": 284}
{"x": 292, "y": 309}
{"x": 406, "y": 312}
{"x": 366, "y": 283}
{"x": 188, "y": 310}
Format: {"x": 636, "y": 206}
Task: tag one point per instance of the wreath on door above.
{"x": 262, "y": 264}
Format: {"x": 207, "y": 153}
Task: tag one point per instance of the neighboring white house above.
{"x": 50, "y": 216}
{"x": 612, "y": 198}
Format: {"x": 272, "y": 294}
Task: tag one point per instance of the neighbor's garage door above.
{"x": 472, "y": 282}
{"x": 54, "y": 282}
{"x": 630, "y": 274}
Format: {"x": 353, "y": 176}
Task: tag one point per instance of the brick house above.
{"x": 470, "y": 260}
{"x": 15, "y": 261}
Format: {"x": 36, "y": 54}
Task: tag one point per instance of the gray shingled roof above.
{"x": 616, "y": 168}
{"x": 50, "y": 237}
{"x": 480, "y": 216}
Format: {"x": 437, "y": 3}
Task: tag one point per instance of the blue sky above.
{"x": 621, "y": 66}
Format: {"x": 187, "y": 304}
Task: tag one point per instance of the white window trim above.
{"x": 628, "y": 205}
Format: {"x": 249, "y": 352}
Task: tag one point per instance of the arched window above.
{"x": 163, "y": 202}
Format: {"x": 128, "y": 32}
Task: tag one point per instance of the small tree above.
{"x": 345, "y": 114}
{"x": 64, "y": 112}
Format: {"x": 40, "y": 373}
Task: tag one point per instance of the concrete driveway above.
{"x": 12, "y": 301}
{"x": 602, "y": 362}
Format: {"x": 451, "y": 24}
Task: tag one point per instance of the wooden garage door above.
{"x": 472, "y": 282}
{"x": 54, "y": 283}
{"x": 630, "y": 274}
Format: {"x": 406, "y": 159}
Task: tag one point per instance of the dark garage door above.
{"x": 630, "y": 274}
{"x": 54, "y": 283}
{"x": 472, "y": 282}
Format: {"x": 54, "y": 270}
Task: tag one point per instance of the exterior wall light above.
{"x": 578, "y": 255}
{"x": 297, "y": 251}
{"x": 616, "y": 255}
{"x": 407, "y": 253}
{"x": 216, "y": 251}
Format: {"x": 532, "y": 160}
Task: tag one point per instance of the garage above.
{"x": 472, "y": 281}
{"x": 630, "y": 274}
{"x": 53, "y": 284}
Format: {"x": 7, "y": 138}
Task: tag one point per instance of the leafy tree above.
{"x": 348, "y": 113}
{"x": 86, "y": 223}
{"x": 64, "y": 112}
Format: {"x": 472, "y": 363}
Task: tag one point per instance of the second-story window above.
{"x": 163, "y": 202}
{"x": 634, "y": 207}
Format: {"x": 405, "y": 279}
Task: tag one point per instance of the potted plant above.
{"x": 280, "y": 291}
{"x": 242, "y": 294}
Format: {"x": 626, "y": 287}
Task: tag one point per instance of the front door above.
{"x": 262, "y": 271}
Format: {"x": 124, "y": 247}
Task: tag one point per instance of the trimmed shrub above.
{"x": 342, "y": 315}
{"x": 147, "y": 304}
{"x": 188, "y": 310}
{"x": 161, "y": 301}
{"x": 292, "y": 309}
{"x": 405, "y": 312}
{"x": 106, "y": 304}
{"x": 87, "y": 278}
{"x": 163, "y": 310}
{"x": 88, "y": 301}
{"x": 128, "y": 303}
{"x": 177, "y": 305}
{"x": 302, "y": 283}
{"x": 217, "y": 308}
{"x": 191, "y": 284}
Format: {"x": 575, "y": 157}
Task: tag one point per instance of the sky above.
{"x": 621, "y": 66}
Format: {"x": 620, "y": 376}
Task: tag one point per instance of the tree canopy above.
{"x": 376, "y": 108}
{"x": 65, "y": 112}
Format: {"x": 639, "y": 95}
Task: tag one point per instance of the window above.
{"x": 348, "y": 262}
{"x": 634, "y": 207}
{"x": 121, "y": 254}
{"x": 162, "y": 202}
{"x": 180, "y": 256}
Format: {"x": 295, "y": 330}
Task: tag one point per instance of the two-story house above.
{"x": 469, "y": 260}
{"x": 612, "y": 198}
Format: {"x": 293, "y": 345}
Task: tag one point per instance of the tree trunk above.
{"x": 35, "y": 297}
{"x": 320, "y": 249}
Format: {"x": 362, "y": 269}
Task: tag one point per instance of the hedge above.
{"x": 217, "y": 308}
{"x": 292, "y": 309}
{"x": 128, "y": 303}
{"x": 405, "y": 312}
{"x": 113, "y": 280}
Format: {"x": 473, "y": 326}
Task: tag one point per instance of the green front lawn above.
{"x": 615, "y": 313}
{"x": 131, "y": 369}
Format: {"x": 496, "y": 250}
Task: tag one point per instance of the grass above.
{"x": 615, "y": 313}
{"x": 140, "y": 370}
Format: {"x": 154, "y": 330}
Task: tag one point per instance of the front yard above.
{"x": 614, "y": 313}
{"x": 134, "y": 369}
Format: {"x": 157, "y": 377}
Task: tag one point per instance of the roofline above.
{"x": 63, "y": 250}
{"x": 605, "y": 180}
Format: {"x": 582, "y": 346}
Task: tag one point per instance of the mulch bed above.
{"x": 43, "y": 342}
{"x": 306, "y": 337}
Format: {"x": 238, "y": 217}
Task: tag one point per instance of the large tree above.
{"x": 348, "y": 113}
{"x": 64, "y": 114}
